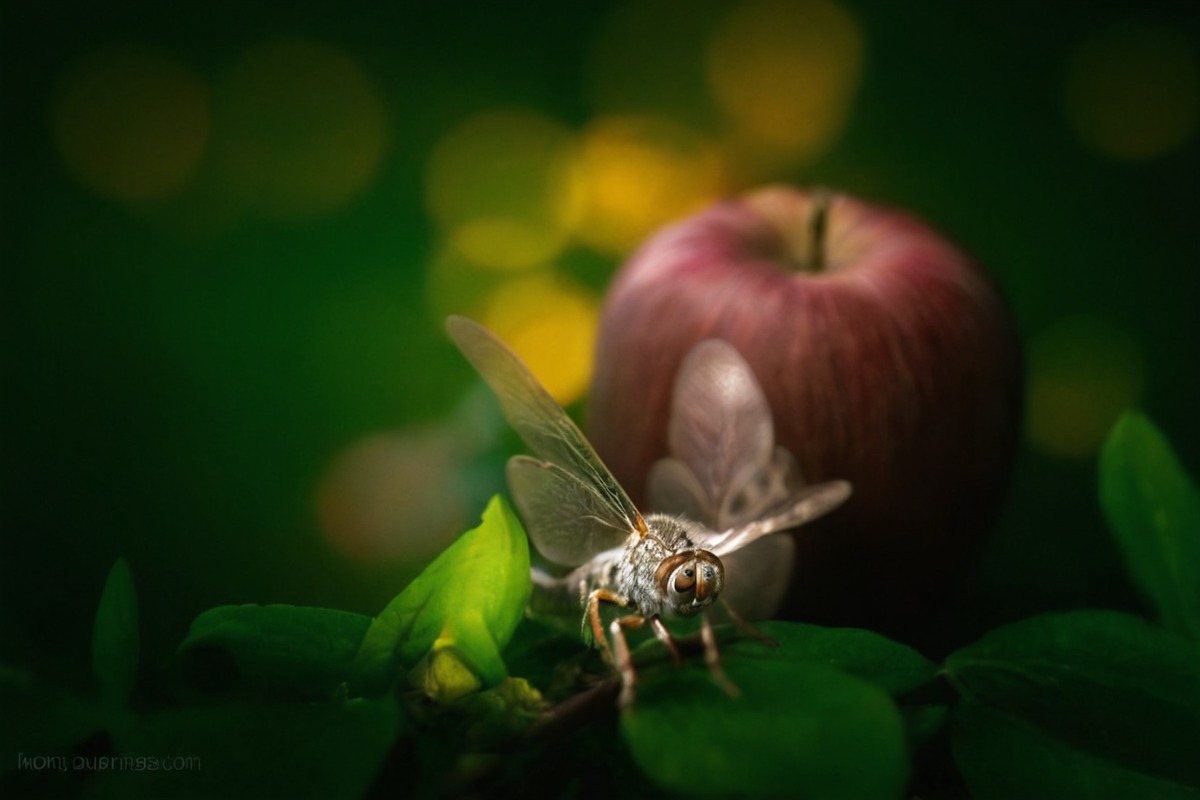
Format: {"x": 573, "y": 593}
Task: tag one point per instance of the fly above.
{"x": 727, "y": 483}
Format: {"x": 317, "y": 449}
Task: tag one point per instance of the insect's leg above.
{"x": 712, "y": 657}
{"x": 624, "y": 661}
{"x": 593, "y": 617}
{"x": 745, "y": 627}
{"x": 664, "y": 636}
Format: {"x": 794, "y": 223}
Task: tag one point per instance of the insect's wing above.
{"x": 720, "y": 424}
{"x": 758, "y": 491}
{"x": 757, "y": 576}
{"x": 804, "y": 506}
{"x": 673, "y": 489}
{"x": 543, "y": 425}
{"x": 567, "y": 520}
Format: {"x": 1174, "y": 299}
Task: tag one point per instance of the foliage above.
{"x": 115, "y": 636}
{"x": 278, "y": 648}
{"x": 318, "y": 702}
{"x": 795, "y": 723}
{"x": 1078, "y": 704}
{"x": 456, "y": 617}
{"x": 1153, "y": 508}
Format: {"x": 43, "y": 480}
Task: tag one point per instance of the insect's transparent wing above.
{"x": 672, "y": 488}
{"x": 567, "y": 520}
{"x": 804, "y": 506}
{"x": 757, "y": 576}
{"x": 758, "y": 491}
{"x": 540, "y": 421}
{"x": 720, "y": 422}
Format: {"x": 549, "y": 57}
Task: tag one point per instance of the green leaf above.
{"x": 1153, "y": 509}
{"x": 279, "y": 647}
{"x": 1003, "y": 756}
{"x": 894, "y": 667}
{"x": 319, "y": 749}
{"x": 1080, "y": 704}
{"x": 452, "y": 621}
{"x": 115, "y": 636}
{"x": 797, "y": 729}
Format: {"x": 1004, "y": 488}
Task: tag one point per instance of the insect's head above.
{"x": 689, "y": 582}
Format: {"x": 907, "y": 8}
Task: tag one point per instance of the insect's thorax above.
{"x": 630, "y": 572}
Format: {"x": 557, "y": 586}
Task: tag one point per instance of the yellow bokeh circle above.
{"x": 640, "y": 172}
{"x": 551, "y": 324}
{"x": 504, "y": 189}
{"x": 786, "y": 73}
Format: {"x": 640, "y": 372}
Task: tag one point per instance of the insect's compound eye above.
{"x": 685, "y": 580}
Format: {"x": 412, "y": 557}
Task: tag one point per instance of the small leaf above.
{"x": 280, "y": 647}
{"x": 1153, "y": 509}
{"x": 1116, "y": 697}
{"x": 442, "y": 675}
{"x": 115, "y": 636}
{"x": 319, "y": 749}
{"x": 797, "y": 729}
{"x": 468, "y": 601}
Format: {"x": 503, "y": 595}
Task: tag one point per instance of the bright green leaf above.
{"x": 1153, "y": 508}
{"x": 1119, "y": 695}
{"x": 318, "y": 749}
{"x": 280, "y": 648}
{"x": 115, "y": 636}
{"x": 797, "y": 729}
{"x": 468, "y": 602}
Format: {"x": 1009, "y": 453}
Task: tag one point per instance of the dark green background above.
{"x": 168, "y": 400}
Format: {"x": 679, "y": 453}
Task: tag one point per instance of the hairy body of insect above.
{"x": 727, "y": 483}
{"x": 663, "y": 572}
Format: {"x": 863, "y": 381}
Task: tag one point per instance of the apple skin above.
{"x": 888, "y": 358}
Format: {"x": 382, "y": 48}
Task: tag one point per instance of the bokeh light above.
{"x": 240, "y": 231}
{"x": 551, "y": 324}
{"x": 786, "y": 74}
{"x": 1083, "y": 372}
{"x": 641, "y": 172}
{"x": 301, "y": 129}
{"x": 504, "y": 189}
{"x": 396, "y": 495}
{"x": 1133, "y": 91}
{"x": 132, "y": 123}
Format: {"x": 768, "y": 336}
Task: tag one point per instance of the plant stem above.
{"x": 818, "y": 219}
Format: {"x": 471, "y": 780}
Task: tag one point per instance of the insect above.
{"x": 724, "y": 472}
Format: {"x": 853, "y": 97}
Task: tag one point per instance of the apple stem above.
{"x": 817, "y": 221}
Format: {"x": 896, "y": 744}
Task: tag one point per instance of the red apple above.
{"x": 887, "y": 356}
